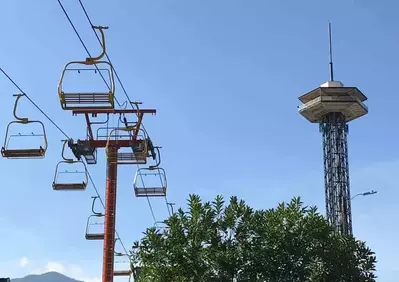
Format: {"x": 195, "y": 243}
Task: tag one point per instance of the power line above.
{"x": 59, "y": 128}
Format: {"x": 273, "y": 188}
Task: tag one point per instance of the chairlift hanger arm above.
{"x": 63, "y": 152}
{"x": 89, "y": 130}
{"x": 92, "y": 207}
{"x": 93, "y": 59}
{"x": 158, "y": 159}
{"x": 139, "y": 120}
{"x": 23, "y": 120}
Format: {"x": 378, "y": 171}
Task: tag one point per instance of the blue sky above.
{"x": 224, "y": 77}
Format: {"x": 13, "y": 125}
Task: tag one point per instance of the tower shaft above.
{"x": 109, "y": 224}
{"x": 336, "y": 172}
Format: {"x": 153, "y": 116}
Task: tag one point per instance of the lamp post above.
{"x": 365, "y": 194}
{"x": 372, "y": 192}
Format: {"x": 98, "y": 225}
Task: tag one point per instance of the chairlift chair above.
{"x": 10, "y": 153}
{"x": 139, "y": 152}
{"x": 158, "y": 190}
{"x": 94, "y": 235}
{"x": 124, "y": 272}
{"x": 89, "y": 100}
{"x": 71, "y": 186}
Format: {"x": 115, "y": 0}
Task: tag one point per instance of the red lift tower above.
{"x": 126, "y": 144}
{"x": 139, "y": 148}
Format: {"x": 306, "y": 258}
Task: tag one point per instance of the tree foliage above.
{"x": 213, "y": 242}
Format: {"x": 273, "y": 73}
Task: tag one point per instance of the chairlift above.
{"x": 89, "y": 100}
{"x": 123, "y": 272}
{"x": 90, "y": 235}
{"x": 62, "y": 184}
{"x": 155, "y": 189}
{"x": 7, "y": 151}
{"x": 137, "y": 153}
{"x": 155, "y": 174}
{"x": 93, "y": 235}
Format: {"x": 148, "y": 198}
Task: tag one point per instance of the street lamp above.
{"x": 364, "y": 194}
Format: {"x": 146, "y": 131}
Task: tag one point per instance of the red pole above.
{"x": 109, "y": 224}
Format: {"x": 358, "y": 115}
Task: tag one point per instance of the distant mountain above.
{"x": 46, "y": 277}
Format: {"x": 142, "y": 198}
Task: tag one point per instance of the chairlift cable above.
{"x": 85, "y": 47}
{"x": 33, "y": 103}
{"x": 63, "y": 132}
{"x": 128, "y": 98}
{"x": 126, "y": 94}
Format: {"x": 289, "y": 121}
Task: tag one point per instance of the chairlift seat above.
{"x": 69, "y": 186}
{"x": 22, "y": 153}
{"x": 71, "y": 101}
{"x": 127, "y": 158}
{"x": 150, "y": 191}
{"x": 122, "y": 272}
{"x": 95, "y": 236}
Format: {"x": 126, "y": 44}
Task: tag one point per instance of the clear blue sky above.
{"x": 224, "y": 77}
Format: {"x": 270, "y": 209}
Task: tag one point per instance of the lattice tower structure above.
{"x": 332, "y": 106}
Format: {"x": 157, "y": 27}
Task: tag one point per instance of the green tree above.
{"x": 213, "y": 242}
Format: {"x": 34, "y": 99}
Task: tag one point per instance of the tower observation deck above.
{"x": 332, "y": 106}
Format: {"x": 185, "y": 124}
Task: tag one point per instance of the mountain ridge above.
{"x": 45, "y": 277}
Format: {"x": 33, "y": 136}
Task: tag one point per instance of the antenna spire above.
{"x": 331, "y": 58}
